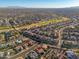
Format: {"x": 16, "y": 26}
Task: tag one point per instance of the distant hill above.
{"x": 61, "y": 11}
{"x": 68, "y": 11}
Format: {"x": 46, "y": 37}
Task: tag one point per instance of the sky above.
{"x": 40, "y": 3}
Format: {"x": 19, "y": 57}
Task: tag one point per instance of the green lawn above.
{"x": 4, "y": 27}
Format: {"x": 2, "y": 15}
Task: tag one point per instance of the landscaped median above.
{"x": 39, "y": 24}
{"x": 4, "y": 27}
{"x": 42, "y": 23}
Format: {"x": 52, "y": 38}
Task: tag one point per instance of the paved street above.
{"x": 22, "y": 53}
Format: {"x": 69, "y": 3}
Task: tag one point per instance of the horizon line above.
{"x": 34, "y": 7}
